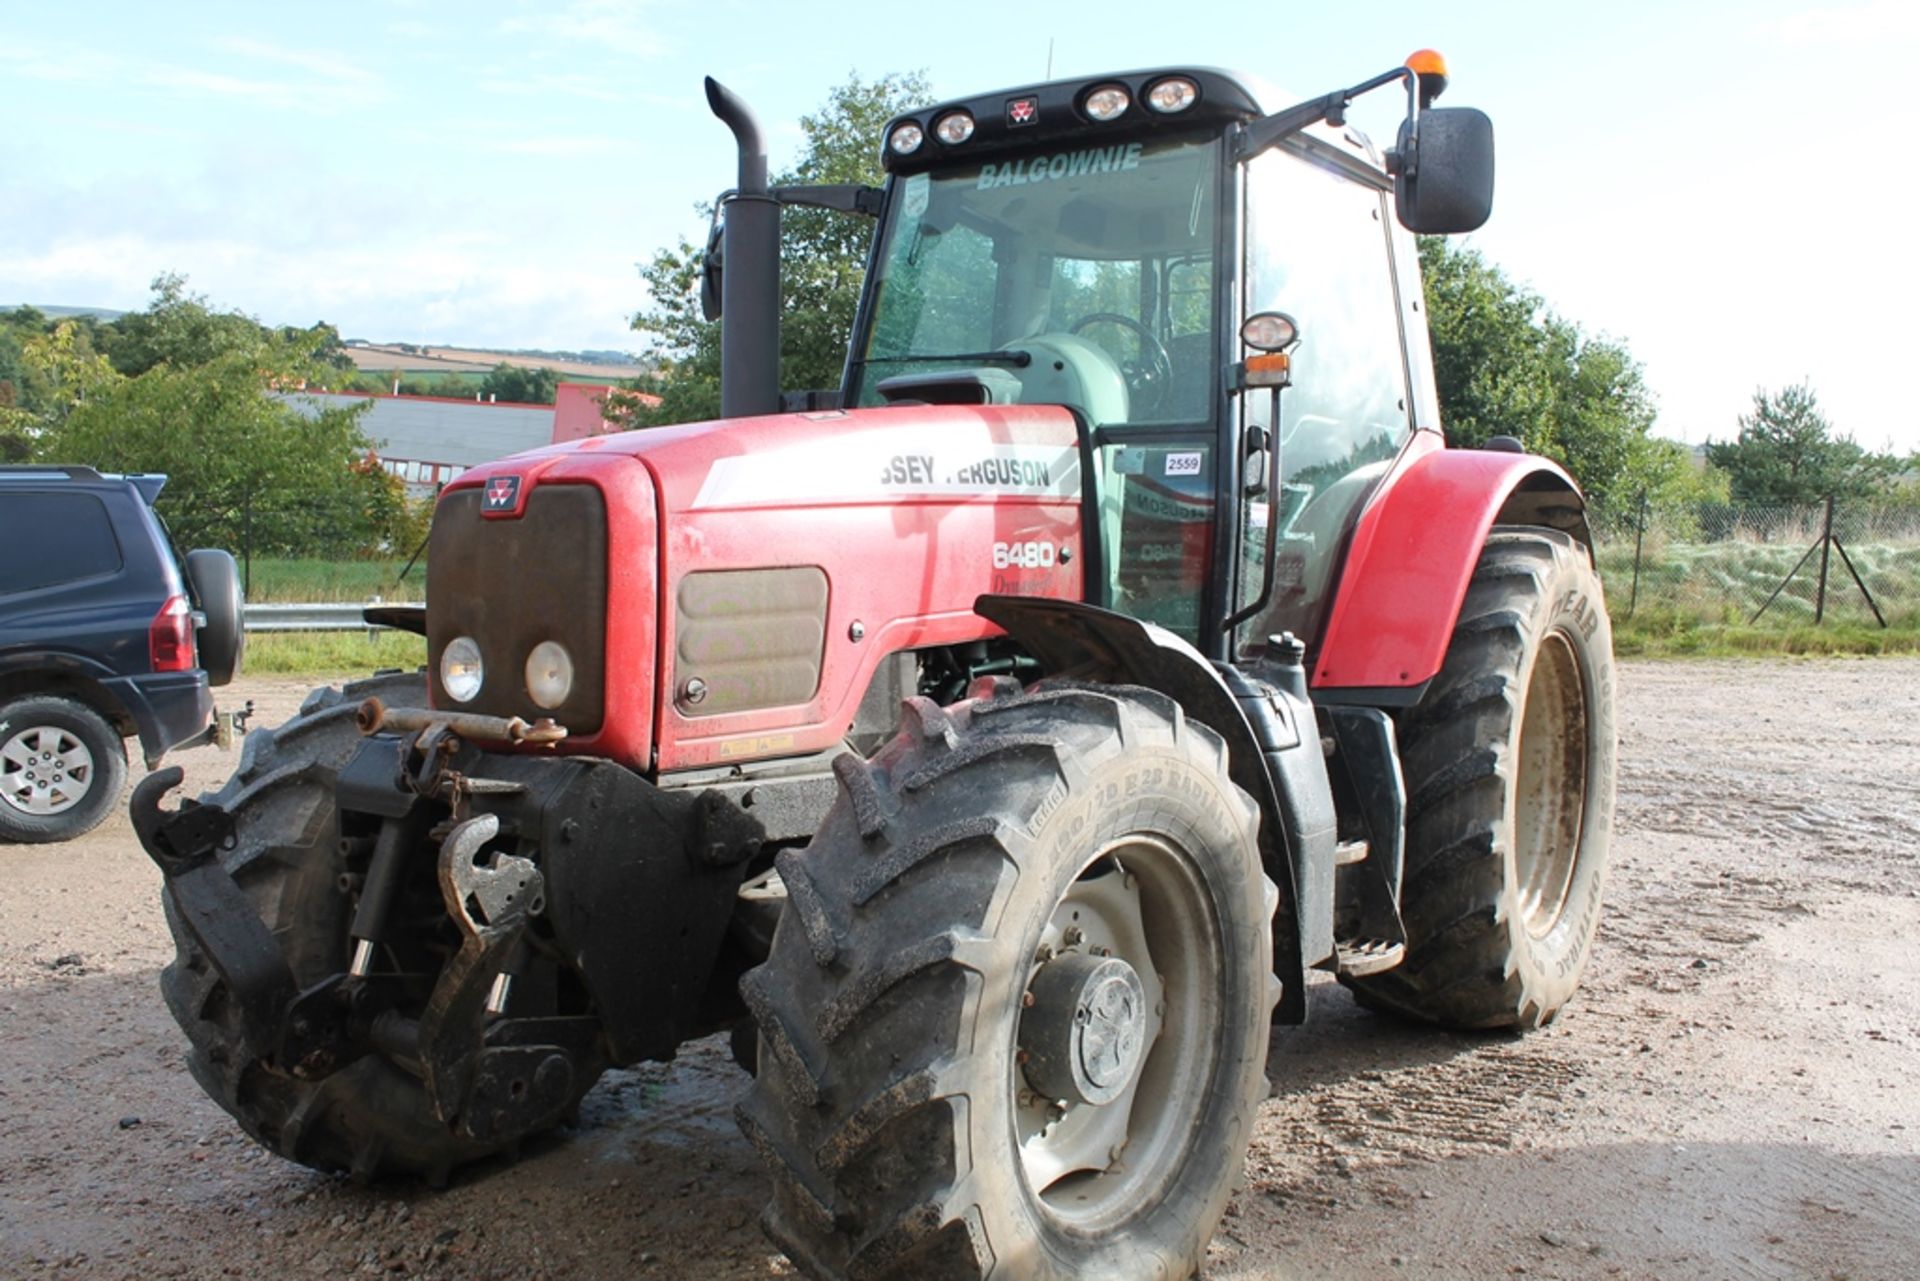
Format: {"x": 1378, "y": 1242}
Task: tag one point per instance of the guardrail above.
{"x": 328, "y": 617}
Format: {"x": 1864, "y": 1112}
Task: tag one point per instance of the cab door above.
{"x": 1318, "y": 243}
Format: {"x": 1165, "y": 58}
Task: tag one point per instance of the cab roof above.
{"x": 1021, "y": 118}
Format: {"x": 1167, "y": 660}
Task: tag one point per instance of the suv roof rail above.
{"x": 40, "y": 470}
{"x": 147, "y": 484}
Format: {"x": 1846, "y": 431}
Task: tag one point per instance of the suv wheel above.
{"x": 62, "y": 769}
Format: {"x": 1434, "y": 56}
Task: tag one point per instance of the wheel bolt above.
{"x": 1026, "y": 998}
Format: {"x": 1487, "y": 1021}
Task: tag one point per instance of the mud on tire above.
{"x": 371, "y": 1117}
{"x": 900, "y": 1129}
{"x": 1509, "y": 763}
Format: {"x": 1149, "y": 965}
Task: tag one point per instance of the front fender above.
{"x": 1413, "y": 552}
{"x": 1296, "y": 825}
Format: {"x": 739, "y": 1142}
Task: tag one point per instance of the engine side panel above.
{"x": 1413, "y": 552}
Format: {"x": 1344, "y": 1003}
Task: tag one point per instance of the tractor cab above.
{"x": 1104, "y": 245}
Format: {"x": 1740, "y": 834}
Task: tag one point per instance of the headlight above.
{"x": 1176, "y": 94}
{"x": 906, "y": 138}
{"x": 954, "y": 128}
{"x": 549, "y": 674}
{"x": 1108, "y": 102}
{"x": 460, "y": 669}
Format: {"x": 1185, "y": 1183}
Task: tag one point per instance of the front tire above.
{"x": 62, "y": 769}
{"x": 1509, "y": 763}
{"x": 1015, "y": 1016}
{"x": 371, "y": 1117}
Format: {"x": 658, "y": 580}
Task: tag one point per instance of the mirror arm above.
{"x": 1332, "y": 108}
{"x": 841, "y": 197}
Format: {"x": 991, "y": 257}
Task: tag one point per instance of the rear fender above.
{"x": 1413, "y": 551}
{"x": 1296, "y": 829}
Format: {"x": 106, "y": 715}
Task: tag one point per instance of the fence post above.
{"x": 1826, "y": 549}
{"x": 246, "y": 546}
{"x": 1639, "y": 536}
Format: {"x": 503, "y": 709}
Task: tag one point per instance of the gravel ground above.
{"x": 1729, "y": 1096}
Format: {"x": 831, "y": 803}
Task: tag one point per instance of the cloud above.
{"x": 324, "y": 65}
{"x": 463, "y": 290}
{"x": 1872, "y": 22}
{"x": 612, "y": 25}
{"x": 557, "y": 145}
{"x": 330, "y": 85}
{"x": 547, "y": 84}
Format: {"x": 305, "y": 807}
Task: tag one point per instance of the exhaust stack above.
{"x": 750, "y": 278}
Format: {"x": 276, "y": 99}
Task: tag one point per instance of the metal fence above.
{"x": 1765, "y": 564}
{"x": 325, "y": 616}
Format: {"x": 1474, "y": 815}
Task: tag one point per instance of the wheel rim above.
{"x": 1550, "y": 791}
{"x": 45, "y": 770}
{"x": 1141, "y": 900}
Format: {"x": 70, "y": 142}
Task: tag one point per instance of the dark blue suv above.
{"x": 105, "y": 634}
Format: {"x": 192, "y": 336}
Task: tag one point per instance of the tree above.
{"x": 202, "y": 407}
{"x": 179, "y": 328}
{"x": 1787, "y": 453}
{"x": 235, "y": 455}
{"x": 516, "y": 385}
{"x": 823, "y": 259}
{"x": 1505, "y": 365}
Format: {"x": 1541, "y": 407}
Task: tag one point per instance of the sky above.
{"x": 1719, "y": 186}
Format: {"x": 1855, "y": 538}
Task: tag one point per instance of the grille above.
{"x": 511, "y": 584}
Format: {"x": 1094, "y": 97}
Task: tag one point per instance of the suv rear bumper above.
{"x": 170, "y": 710}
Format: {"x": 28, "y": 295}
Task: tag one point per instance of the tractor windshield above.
{"x": 1080, "y": 276}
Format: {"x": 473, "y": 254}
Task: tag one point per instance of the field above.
{"x": 1701, "y": 597}
{"x": 390, "y": 358}
{"x": 313, "y": 579}
{"x": 1729, "y": 1096}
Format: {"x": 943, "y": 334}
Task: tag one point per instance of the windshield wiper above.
{"x": 1019, "y": 359}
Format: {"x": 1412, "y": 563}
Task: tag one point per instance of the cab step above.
{"x": 1360, "y": 956}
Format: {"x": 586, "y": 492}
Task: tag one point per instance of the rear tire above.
{"x": 1509, "y": 763}
{"x": 62, "y": 769}
{"x": 371, "y": 1117}
{"x": 905, "y": 1132}
{"x": 222, "y": 641}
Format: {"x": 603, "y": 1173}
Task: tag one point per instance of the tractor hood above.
{"x": 761, "y": 566}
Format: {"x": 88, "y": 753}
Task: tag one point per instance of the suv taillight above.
{"x": 170, "y": 639}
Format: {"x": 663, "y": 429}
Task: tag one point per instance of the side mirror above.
{"x": 710, "y": 272}
{"x": 1445, "y": 184}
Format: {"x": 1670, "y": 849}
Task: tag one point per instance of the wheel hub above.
{"x": 44, "y": 770}
{"x": 1085, "y": 1035}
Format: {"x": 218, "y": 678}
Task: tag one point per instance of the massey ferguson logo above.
{"x": 502, "y": 495}
{"x": 1023, "y": 111}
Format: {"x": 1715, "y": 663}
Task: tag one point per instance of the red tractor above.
{"x": 993, "y": 745}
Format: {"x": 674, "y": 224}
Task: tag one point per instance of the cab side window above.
{"x": 1318, "y": 250}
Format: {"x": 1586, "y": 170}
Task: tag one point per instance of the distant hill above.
{"x": 400, "y": 357}
{"x": 67, "y": 313}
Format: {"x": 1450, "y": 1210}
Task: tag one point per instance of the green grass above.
{"x": 1699, "y": 599}
{"x": 331, "y": 655}
{"x": 1669, "y": 633}
{"x": 315, "y": 580}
